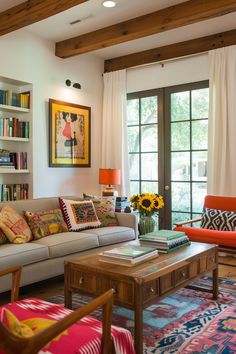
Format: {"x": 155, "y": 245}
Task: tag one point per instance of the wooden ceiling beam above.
{"x": 32, "y": 11}
{"x": 183, "y": 14}
{"x": 171, "y": 51}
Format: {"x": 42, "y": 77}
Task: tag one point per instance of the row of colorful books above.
{"x": 10, "y": 192}
{"x": 129, "y": 255}
{"x": 13, "y": 160}
{"x": 165, "y": 241}
{"x": 13, "y": 127}
{"x": 10, "y": 98}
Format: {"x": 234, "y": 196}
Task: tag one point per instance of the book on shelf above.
{"x": 10, "y": 192}
{"x": 128, "y": 262}
{"x": 128, "y": 252}
{"x": 163, "y": 235}
{"x": 15, "y": 99}
{"x": 13, "y": 127}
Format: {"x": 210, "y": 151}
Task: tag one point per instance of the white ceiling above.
{"x": 94, "y": 16}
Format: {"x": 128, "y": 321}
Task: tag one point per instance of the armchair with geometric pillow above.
{"x": 33, "y": 326}
{"x": 218, "y": 223}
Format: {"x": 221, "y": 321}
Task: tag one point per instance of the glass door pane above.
{"x": 186, "y": 129}
{"x": 167, "y": 140}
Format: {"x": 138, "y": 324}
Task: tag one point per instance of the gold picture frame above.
{"x": 69, "y": 134}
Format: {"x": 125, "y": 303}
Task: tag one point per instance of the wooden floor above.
{"x": 55, "y": 286}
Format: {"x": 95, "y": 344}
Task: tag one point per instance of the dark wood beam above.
{"x": 32, "y": 11}
{"x": 176, "y": 50}
{"x": 183, "y": 14}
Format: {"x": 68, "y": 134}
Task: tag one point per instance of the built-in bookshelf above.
{"x": 16, "y": 177}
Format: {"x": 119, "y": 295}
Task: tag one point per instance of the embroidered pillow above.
{"x": 3, "y": 238}
{"x": 221, "y": 220}
{"x": 14, "y": 225}
{"x": 46, "y": 222}
{"x": 79, "y": 215}
{"x": 105, "y": 210}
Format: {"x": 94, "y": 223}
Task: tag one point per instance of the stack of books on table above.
{"x": 128, "y": 255}
{"x": 165, "y": 241}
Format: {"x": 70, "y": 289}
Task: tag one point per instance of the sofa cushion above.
{"x": 46, "y": 222}
{"x": 112, "y": 234}
{"x": 105, "y": 209}
{"x": 14, "y": 225}
{"x": 79, "y": 215}
{"x": 68, "y": 242}
{"x": 22, "y": 254}
{"x": 220, "y": 220}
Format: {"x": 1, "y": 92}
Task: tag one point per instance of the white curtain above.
{"x": 222, "y": 122}
{"x": 114, "y": 127}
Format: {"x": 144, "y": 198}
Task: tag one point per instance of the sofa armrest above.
{"x": 128, "y": 220}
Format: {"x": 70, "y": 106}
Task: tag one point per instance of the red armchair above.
{"x": 225, "y": 239}
{"x": 28, "y": 325}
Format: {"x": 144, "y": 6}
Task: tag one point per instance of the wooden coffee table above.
{"x": 142, "y": 285}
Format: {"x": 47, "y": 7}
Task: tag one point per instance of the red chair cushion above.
{"x": 82, "y": 337}
{"x": 222, "y": 238}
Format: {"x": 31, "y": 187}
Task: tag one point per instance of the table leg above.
{"x": 215, "y": 283}
{"x": 67, "y": 292}
{"x": 68, "y": 298}
{"x": 138, "y": 320}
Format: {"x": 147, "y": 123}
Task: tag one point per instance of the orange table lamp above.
{"x": 109, "y": 177}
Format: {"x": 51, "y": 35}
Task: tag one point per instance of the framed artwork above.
{"x": 69, "y": 134}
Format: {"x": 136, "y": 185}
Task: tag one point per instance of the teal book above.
{"x": 163, "y": 235}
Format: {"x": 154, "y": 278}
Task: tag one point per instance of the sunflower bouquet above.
{"x": 147, "y": 203}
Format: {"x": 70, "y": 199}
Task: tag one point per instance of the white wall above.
{"x": 174, "y": 72}
{"x": 30, "y": 58}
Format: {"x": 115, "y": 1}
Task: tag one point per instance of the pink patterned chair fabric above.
{"x": 83, "y": 337}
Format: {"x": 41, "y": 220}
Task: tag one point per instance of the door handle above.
{"x": 167, "y": 188}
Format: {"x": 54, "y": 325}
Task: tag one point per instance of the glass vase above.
{"x": 146, "y": 224}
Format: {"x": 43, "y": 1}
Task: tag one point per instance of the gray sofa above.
{"x": 44, "y": 258}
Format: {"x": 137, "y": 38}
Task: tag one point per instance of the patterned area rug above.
{"x": 186, "y": 322}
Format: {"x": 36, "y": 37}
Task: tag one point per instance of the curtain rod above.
{"x": 167, "y": 61}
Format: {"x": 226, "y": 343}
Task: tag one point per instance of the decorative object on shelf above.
{"x": 121, "y": 204}
{"x": 73, "y": 84}
{"x": 69, "y": 134}
{"x": 147, "y": 205}
{"x": 109, "y": 177}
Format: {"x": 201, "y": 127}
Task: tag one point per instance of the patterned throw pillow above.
{"x": 105, "y": 209}
{"x": 221, "y": 220}
{"x": 79, "y": 215}
{"x": 46, "y": 222}
{"x": 14, "y": 225}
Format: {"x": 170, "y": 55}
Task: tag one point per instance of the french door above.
{"x": 167, "y": 139}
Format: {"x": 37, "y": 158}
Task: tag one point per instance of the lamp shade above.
{"x": 109, "y": 176}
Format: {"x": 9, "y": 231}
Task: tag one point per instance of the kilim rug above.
{"x": 185, "y": 322}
